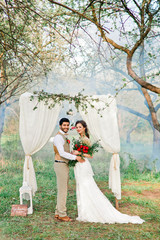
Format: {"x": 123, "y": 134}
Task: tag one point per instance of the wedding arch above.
{"x": 38, "y": 118}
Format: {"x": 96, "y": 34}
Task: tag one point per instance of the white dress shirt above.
{"x": 59, "y": 142}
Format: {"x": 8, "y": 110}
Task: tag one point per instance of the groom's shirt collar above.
{"x": 63, "y": 132}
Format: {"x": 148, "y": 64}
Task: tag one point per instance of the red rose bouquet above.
{"x": 83, "y": 148}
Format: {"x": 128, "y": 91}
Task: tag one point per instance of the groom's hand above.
{"x": 79, "y": 159}
{"x": 75, "y": 152}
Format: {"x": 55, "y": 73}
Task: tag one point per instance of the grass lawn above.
{"x": 139, "y": 197}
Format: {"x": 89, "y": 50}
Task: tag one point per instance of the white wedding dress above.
{"x": 93, "y": 205}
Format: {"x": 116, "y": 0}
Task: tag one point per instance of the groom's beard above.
{"x": 64, "y": 129}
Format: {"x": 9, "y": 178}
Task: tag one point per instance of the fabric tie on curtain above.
{"x": 28, "y": 158}
{"x": 114, "y": 176}
{"x": 115, "y": 161}
{"x": 29, "y": 176}
{"x": 104, "y": 126}
{"x": 36, "y": 127}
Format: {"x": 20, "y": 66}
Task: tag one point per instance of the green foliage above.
{"x": 41, "y": 224}
{"x": 12, "y": 148}
{"x": 134, "y": 21}
{"x": 79, "y": 100}
{"x": 132, "y": 170}
{"x": 27, "y": 44}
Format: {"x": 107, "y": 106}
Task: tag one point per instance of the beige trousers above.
{"x": 62, "y": 174}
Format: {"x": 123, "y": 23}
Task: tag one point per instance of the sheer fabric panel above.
{"x": 36, "y": 127}
{"x": 104, "y": 126}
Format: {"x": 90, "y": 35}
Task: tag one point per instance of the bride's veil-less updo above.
{"x": 84, "y": 125}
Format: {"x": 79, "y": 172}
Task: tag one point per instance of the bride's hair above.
{"x": 84, "y": 125}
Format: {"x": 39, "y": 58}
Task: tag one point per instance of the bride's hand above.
{"x": 87, "y": 155}
{"x": 75, "y": 152}
{"x": 79, "y": 159}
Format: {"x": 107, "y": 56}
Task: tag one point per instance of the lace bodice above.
{"x": 86, "y": 140}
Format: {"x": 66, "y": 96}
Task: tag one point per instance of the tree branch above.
{"x": 133, "y": 112}
{"x": 78, "y": 13}
{"x": 117, "y": 46}
{"x": 139, "y": 80}
{"x": 151, "y": 109}
{"x": 137, "y": 4}
{"x": 130, "y": 13}
{"x": 157, "y": 107}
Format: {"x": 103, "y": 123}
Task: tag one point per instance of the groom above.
{"x": 61, "y": 168}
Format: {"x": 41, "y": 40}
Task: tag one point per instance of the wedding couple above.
{"x": 93, "y": 205}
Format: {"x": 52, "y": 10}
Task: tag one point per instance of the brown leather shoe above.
{"x": 56, "y": 217}
{"x": 65, "y": 219}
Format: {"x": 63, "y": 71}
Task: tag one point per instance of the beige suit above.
{"x": 62, "y": 174}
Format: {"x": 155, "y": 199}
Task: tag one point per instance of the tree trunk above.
{"x": 155, "y": 158}
{"x": 3, "y": 105}
{"x": 139, "y": 80}
{"x": 2, "y": 118}
{"x": 156, "y": 150}
{"x": 128, "y": 138}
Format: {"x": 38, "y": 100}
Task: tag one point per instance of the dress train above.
{"x": 93, "y": 205}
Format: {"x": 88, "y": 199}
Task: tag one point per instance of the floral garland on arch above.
{"x": 79, "y": 100}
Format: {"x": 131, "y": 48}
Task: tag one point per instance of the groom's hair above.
{"x": 63, "y": 120}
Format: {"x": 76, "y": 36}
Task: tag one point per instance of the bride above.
{"x": 93, "y": 205}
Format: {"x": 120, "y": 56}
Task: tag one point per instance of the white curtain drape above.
{"x": 36, "y": 127}
{"x": 104, "y": 127}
